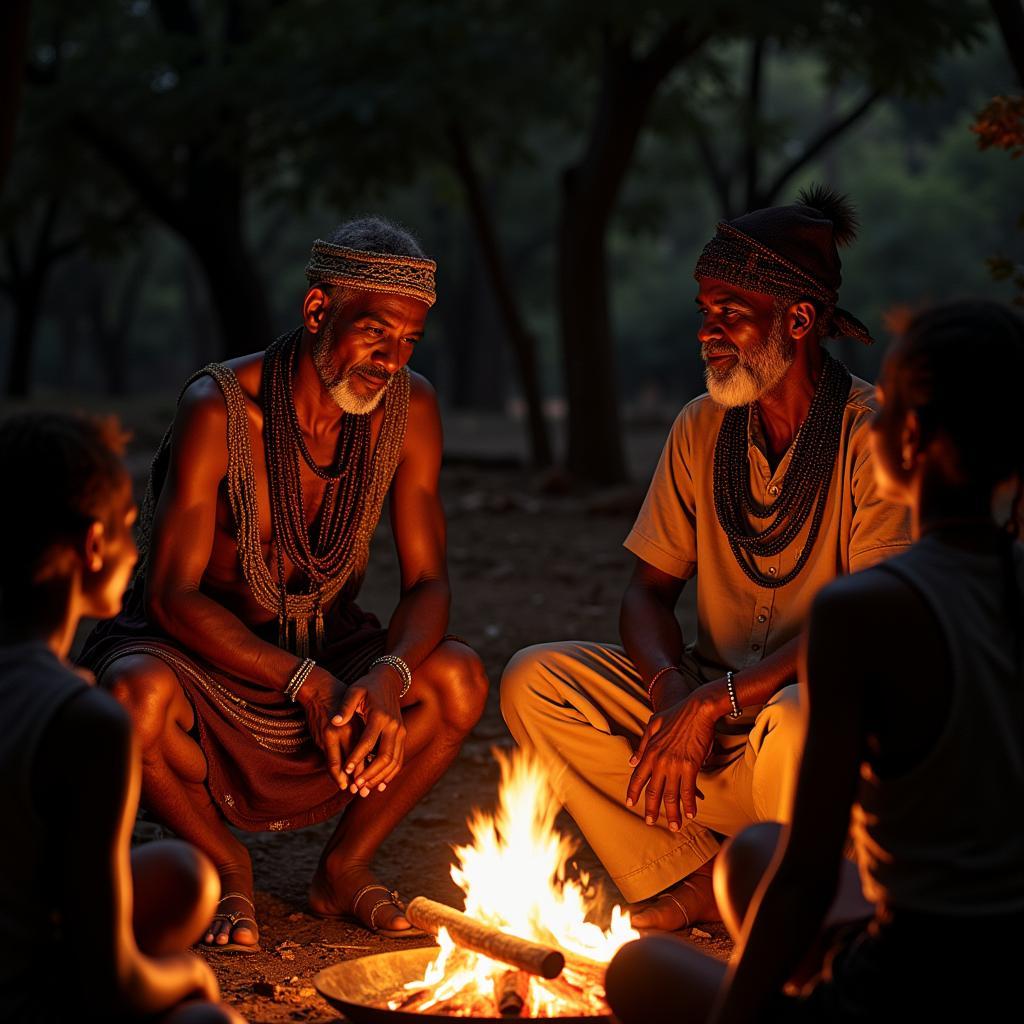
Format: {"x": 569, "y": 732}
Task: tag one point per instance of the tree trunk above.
{"x": 13, "y": 47}
{"x": 524, "y": 346}
{"x": 27, "y": 309}
{"x": 595, "y": 453}
{"x": 234, "y": 287}
{"x": 590, "y": 189}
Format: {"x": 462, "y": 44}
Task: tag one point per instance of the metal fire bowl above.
{"x": 357, "y": 988}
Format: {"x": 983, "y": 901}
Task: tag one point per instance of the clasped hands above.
{"x": 672, "y": 750}
{"x": 347, "y": 722}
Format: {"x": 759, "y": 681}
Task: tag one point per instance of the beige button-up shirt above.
{"x": 677, "y": 531}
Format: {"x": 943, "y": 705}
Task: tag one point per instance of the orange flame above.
{"x": 514, "y": 878}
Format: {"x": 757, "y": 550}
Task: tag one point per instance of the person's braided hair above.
{"x": 961, "y": 369}
{"x": 61, "y": 472}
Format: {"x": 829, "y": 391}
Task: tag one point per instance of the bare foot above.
{"x": 331, "y": 895}
{"x": 234, "y": 923}
{"x": 690, "y": 901}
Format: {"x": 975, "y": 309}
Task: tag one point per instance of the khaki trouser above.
{"x": 582, "y": 707}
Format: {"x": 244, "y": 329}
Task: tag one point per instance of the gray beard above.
{"x": 340, "y": 387}
{"x": 756, "y": 371}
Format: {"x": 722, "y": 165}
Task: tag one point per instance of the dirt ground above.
{"x": 527, "y": 566}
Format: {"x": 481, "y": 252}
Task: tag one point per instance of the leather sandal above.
{"x": 233, "y": 919}
{"x": 391, "y": 899}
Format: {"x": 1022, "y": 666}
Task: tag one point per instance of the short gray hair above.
{"x": 375, "y": 234}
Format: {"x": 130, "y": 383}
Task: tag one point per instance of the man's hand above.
{"x": 322, "y": 697}
{"x": 672, "y": 751}
{"x": 374, "y": 698}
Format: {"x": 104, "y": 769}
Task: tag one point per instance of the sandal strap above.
{"x": 392, "y": 901}
{"x": 682, "y": 909}
{"x": 233, "y": 919}
{"x": 368, "y": 888}
{"x": 236, "y": 896}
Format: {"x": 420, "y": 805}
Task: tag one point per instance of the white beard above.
{"x": 349, "y": 401}
{"x": 756, "y": 371}
{"x": 340, "y": 388}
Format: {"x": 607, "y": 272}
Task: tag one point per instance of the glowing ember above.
{"x": 514, "y": 878}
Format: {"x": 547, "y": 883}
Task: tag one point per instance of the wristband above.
{"x": 657, "y": 675}
{"x": 730, "y": 686}
{"x": 299, "y": 676}
{"x": 400, "y": 667}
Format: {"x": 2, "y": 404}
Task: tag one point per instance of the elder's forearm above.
{"x": 419, "y": 621}
{"x": 653, "y": 640}
{"x": 758, "y": 683}
{"x": 205, "y": 626}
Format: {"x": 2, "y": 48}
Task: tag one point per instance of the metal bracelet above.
{"x": 657, "y": 675}
{"x": 299, "y": 676}
{"x": 400, "y": 667}
{"x": 730, "y": 686}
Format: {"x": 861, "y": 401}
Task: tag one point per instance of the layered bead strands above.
{"x": 804, "y": 491}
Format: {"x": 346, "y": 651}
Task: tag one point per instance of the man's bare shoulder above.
{"x": 249, "y": 371}
{"x": 423, "y": 437}
{"x": 423, "y": 405}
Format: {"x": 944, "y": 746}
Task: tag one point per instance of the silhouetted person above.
{"x": 89, "y": 930}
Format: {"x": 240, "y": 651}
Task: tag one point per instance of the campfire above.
{"x": 524, "y": 945}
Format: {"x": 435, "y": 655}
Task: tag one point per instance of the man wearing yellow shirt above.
{"x": 764, "y": 493}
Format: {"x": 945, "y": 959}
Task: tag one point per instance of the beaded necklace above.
{"x": 804, "y": 488}
{"x": 337, "y": 523}
{"x": 294, "y": 611}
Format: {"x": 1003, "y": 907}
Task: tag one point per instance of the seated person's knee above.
{"x": 462, "y": 681}
{"x": 644, "y": 983}
{"x": 176, "y": 893}
{"x": 740, "y": 865}
{"x": 142, "y": 683}
{"x": 787, "y": 713}
{"x": 518, "y": 681}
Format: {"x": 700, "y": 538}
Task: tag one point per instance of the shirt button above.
{"x": 771, "y": 570}
{"x": 755, "y": 647}
{"x": 773, "y": 489}
{"x": 762, "y": 618}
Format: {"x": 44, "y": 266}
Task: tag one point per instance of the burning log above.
{"x": 481, "y": 938}
{"x": 511, "y": 992}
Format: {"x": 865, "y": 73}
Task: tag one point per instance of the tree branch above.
{"x": 41, "y": 250}
{"x": 817, "y": 144}
{"x": 1009, "y": 16}
{"x": 136, "y": 173}
{"x": 677, "y": 42}
{"x": 720, "y": 181}
{"x": 178, "y": 17}
{"x": 752, "y": 121}
{"x": 13, "y": 50}
{"x": 14, "y": 260}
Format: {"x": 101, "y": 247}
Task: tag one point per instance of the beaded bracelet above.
{"x": 299, "y": 676}
{"x": 657, "y": 675}
{"x": 400, "y": 667}
{"x": 730, "y": 686}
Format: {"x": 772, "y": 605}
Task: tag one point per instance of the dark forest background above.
{"x": 166, "y": 165}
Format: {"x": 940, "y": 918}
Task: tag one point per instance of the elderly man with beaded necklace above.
{"x": 262, "y": 695}
{"x": 764, "y": 492}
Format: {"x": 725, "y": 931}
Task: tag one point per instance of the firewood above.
{"x": 482, "y": 938}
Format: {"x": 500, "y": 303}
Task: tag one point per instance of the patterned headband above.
{"x": 372, "y": 271}
{"x": 733, "y": 256}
